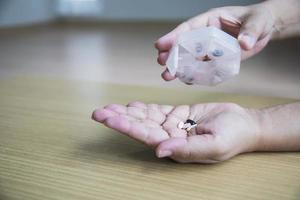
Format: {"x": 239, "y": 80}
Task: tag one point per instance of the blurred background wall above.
{"x": 18, "y": 12}
{"x": 141, "y": 10}
{"x": 111, "y": 41}
{"x": 22, "y": 12}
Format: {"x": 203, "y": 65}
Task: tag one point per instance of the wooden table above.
{"x": 51, "y": 149}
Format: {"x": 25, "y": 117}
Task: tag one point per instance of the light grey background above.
{"x": 22, "y": 12}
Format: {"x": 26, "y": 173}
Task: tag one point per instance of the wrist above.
{"x": 284, "y": 13}
{"x": 259, "y": 119}
{"x": 274, "y": 9}
{"x": 263, "y": 120}
{"x": 278, "y": 128}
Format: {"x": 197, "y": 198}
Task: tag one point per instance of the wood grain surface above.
{"x": 51, "y": 149}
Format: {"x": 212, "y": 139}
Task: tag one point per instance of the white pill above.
{"x": 180, "y": 125}
{"x": 187, "y": 125}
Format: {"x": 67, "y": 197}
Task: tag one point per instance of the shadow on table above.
{"x": 115, "y": 146}
{"x": 120, "y": 149}
{"x": 117, "y": 150}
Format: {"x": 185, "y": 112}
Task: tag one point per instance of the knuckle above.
{"x": 252, "y": 28}
{"x": 184, "y": 26}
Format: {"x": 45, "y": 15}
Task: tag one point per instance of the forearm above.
{"x": 289, "y": 32}
{"x": 286, "y": 16}
{"x": 279, "y": 128}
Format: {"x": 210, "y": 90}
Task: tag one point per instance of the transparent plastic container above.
{"x": 206, "y": 56}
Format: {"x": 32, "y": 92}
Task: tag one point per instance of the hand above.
{"x": 253, "y": 26}
{"x": 223, "y": 131}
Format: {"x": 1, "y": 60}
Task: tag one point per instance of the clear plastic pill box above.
{"x": 205, "y": 56}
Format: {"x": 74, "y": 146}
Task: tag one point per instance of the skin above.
{"x": 224, "y": 129}
{"x": 254, "y": 26}
{"x": 217, "y": 137}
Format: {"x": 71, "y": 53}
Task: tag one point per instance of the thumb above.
{"x": 251, "y": 31}
{"x": 197, "y": 148}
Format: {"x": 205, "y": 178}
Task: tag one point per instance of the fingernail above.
{"x": 164, "y": 153}
{"x": 248, "y": 40}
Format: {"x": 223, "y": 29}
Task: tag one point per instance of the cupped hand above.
{"x": 223, "y": 131}
{"x": 253, "y": 26}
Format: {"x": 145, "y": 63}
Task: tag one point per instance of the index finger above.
{"x": 165, "y": 43}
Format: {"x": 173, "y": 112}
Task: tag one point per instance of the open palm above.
{"x": 223, "y": 130}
